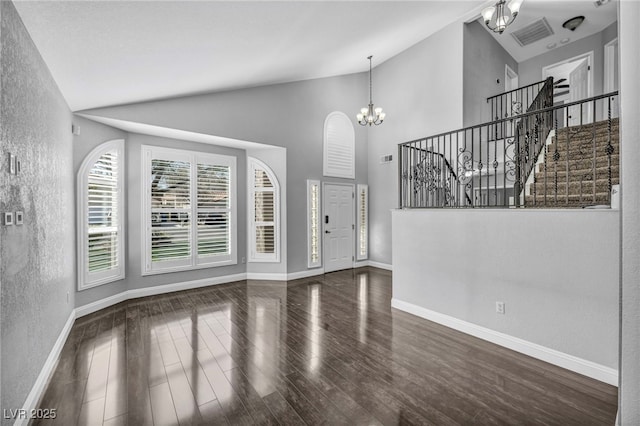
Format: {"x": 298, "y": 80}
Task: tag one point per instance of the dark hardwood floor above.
{"x": 322, "y": 350}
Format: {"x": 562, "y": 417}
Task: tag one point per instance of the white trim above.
{"x": 360, "y": 188}
{"x": 254, "y": 164}
{"x": 510, "y": 75}
{"x": 578, "y": 365}
{"x": 590, "y": 59}
{"x": 39, "y": 386}
{"x": 305, "y": 274}
{"x": 85, "y": 278}
{"x": 311, "y": 183}
{"x": 323, "y": 224}
{"x": 194, "y": 261}
{"x": 346, "y": 145}
{"x": 380, "y": 265}
{"x": 609, "y": 65}
{"x": 155, "y": 290}
{"x": 267, "y": 276}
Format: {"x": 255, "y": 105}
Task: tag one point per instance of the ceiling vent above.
{"x": 533, "y": 32}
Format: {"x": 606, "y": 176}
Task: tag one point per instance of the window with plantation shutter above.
{"x": 264, "y": 202}
{"x": 363, "y": 222}
{"x": 189, "y": 209}
{"x": 100, "y": 216}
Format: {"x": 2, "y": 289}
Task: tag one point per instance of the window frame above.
{"x": 362, "y": 251}
{"x": 310, "y": 226}
{"x": 86, "y": 279}
{"x": 194, "y": 260}
{"x": 254, "y": 164}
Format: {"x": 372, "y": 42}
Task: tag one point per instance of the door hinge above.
{"x": 588, "y": 67}
{"x": 353, "y": 226}
{"x": 353, "y": 195}
{"x": 353, "y": 258}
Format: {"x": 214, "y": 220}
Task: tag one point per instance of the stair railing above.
{"x": 574, "y": 166}
{"x": 512, "y": 103}
{"x": 530, "y": 135}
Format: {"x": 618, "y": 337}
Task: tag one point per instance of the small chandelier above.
{"x": 499, "y": 17}
{"x": 369, "y": 115}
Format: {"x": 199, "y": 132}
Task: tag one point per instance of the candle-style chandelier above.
{"x": 370, "y": 115}
{"x": 499, "y": 17}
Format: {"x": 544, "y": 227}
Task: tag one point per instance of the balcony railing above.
{"x": 562, "y": 156}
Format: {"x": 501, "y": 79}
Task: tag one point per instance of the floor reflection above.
{"x": 321, "y": 350}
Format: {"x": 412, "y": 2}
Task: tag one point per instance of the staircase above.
{"x": 573, "y": 171}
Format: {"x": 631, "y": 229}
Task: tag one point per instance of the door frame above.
{"x": 509, "y": 77}
{"x": 353, "y": 221}
{"x": 588, "y": 56}
{"x": 610, "y": 65}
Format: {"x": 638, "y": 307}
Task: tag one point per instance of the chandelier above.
{"x": 369, "y": 115}
{"x": 500, "y": 16}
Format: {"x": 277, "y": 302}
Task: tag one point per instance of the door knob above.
{"x": 327, "y": 232}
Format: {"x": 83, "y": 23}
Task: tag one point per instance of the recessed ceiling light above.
{"x": 565, "y": 40}
{"x": 551, "y": 45}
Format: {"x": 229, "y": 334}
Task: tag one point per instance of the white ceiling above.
{"x": 104, "y": 53}
{"x": 556, "y": 12}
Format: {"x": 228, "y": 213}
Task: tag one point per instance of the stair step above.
{"x": 580, "y": 164}
{"x": 575, "y": 187}
{"x": 583, "y": 146}
{"x": 574, "y": 201}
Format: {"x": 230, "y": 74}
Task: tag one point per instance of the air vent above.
{"x": 533, "y": 32}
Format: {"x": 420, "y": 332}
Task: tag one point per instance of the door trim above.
{"x": 353, "y": 221}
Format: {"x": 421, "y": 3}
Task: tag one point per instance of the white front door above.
{"x": 339, "y": 226}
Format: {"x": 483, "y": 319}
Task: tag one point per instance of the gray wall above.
{"x": 37, "y": 258}
{"x": 96, "y": 134}
{"x": 530, "y": 71}
{"x": 484, "y": 65}
{"x": 421, "y": 89}
{"x": 286, "y": 115}
{"x": 556, "y": 270}
{"x": 629, "y": 413}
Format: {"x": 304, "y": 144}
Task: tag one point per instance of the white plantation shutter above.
{"x": 170, "y": 210}
{"x": 213, "y": 209}
{"x": 189, "y": 206}
{"x": 264, "y": 213}
{"x": 339, "y": 146}
{"x": 100, "y": 215}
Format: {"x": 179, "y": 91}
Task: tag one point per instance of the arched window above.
{"x": 264, "y": 213}
{"x": 100, "y": 216}
{"x": 339, "y": 146}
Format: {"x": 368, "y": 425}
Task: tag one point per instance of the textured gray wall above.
{"x": 484, "y": 61}
{"x": 37, "y": 258}
{"x": 286, "y": 115}
{"x": 629, "y": 12}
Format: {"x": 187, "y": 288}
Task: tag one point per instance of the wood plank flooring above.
{"x": 323, "y": 350}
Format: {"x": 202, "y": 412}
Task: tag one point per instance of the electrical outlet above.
{"x": 500, "y": 307}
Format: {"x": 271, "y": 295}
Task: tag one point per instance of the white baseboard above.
{"x": 381, "y": 265}
{"x": 305, "y": 274}
{"x": 92, "y": 307}
{"x": 152, "y": 291}
{"x": 185, "y": 285}
{"x": 587, "y": 368}
{"x": 267, "y": 276}
{"x": 47, "y": 369}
